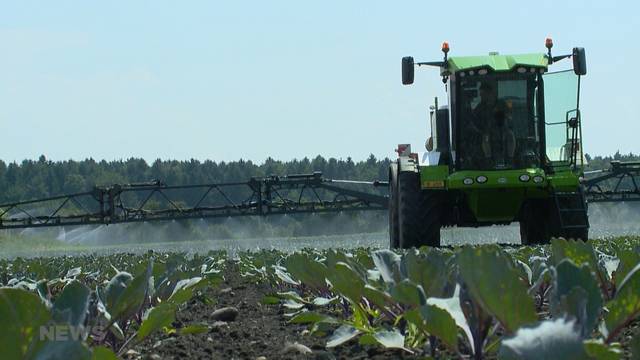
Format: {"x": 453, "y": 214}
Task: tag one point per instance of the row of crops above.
{"x": 91, "y": 307}
{"x": 568, "y": 300}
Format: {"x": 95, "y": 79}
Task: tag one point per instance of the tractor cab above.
{"x": 496, "y": 120}
{"x": 506, "y": 148}
{"x": 508, "y": 111}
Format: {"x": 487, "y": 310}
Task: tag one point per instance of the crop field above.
{"x": 263, "y": 181}
{"x": 564, "y": 300}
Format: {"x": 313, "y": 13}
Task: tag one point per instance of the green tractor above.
{"x": 506, "y": 148}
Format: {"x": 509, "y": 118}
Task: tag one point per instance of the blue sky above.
{"x": 286, "y": 79}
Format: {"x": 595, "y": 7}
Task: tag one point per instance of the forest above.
{"x": 41, "y": 178}
{"x": 32, "y": 179}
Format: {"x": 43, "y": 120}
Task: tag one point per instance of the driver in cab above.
{"x": 491, "y": 115}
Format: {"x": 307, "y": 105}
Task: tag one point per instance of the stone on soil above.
{"x": 225, "y": 314}
{"x": 296, "y": 348}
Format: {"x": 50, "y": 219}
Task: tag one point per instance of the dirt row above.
{"x": 258, "y": 331}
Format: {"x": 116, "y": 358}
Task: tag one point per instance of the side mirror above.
{"x": 407, "y": 70}
{"x": 579, "y": 61}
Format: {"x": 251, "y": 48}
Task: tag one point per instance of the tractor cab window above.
{"x": 498, "y": 122}
{"x": 561, "y": 106}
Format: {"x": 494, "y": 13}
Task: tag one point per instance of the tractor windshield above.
{"x": 497, "y": 122}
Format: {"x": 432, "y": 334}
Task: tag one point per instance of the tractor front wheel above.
{"x": 419, "y": 212}
{"x": 394, "y": 232}
{"x": 534, "y": 223}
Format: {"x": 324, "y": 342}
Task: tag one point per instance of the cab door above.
{"x": 562, "y": 118}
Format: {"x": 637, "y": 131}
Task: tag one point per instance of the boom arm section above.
{"x": 617, "y": 184}
{"x": 273, "y": 195}
{"x": 152, "y": 201}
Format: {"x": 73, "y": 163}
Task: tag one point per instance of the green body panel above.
{"x": 497, "y": 62}
{"x": 434, "y": 177}
{"x": 505, "y": 179}
{"x": 564, "y": 181}
{"x": 500, "y": 198}
{"x": 496, "y": 205}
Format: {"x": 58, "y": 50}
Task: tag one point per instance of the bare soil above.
{"x": 258, "y": 331}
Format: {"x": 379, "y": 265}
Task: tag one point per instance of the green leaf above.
{"x": 408, "y": 293}
{"x": 495, "y": 284}
{"x": 628, "y": 260}
{"x": 576, "y": 293}
{"x": 438, "y": 322}
{"x": 26, "y": 285}
{"x": 193, "y": 329}
{"x": 43, "y": 291}
{"x": 183, "y": 291}
{"x": 308, "y": 317}
{"x": 377, "y": 297}
{"x": 599, "y": 351}
{"x": 290, "y": 295}
{"x": 285, "y": 276}
{"x": 545, "y": 278}
{"x": 115, "y": 288}
{"x": 635, "y": 347}
{"x": 131, "y": 299}
{"x": 292, "y": 304}
{"x": 72, "y": 305}
{"x": 625, "y": 306}
{"x": 578, "y": 251}
{"x": 310, "y": 272}
{"x": 452, "y": 307}
{"x": 390, "y": 339}
{"x": 427, "y": 270}
{"x": 322, "y": 301}
{"x": 360, "y": 317}
{"x": 346, "y": 282}
{"x": 322, "y": 329}
{"x": 550, "y": 339}
{"x": 342, "y": 334}
{"x": 103, "y": 313}
{"x": 157, "y": 318}
{"x": 388, "y": 263}
{"x": 367, "y": 339}
{"x": 609, "y": 264}
{"x": 103, "y": 353}
{"x": 22, "y": 314}
{"x": 270, "y": 300}
{"x": 53, "y": 350}
{"x": 72, "y": 273}
{"x": 539, "y": 268}
{"x": 525, "y": 270}
{"x": 332, "y": 257}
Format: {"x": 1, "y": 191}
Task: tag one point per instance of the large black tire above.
{"x": 534, "y": 223}
{"x": 420, "y": 212}
{"x": 394, "y": 232}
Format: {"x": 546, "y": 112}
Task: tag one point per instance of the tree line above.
{"x": 604, "y": 162}
{"x": 33, "y": 179}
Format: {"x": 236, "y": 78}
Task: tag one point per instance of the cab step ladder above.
{"x": 572, "y": 210}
